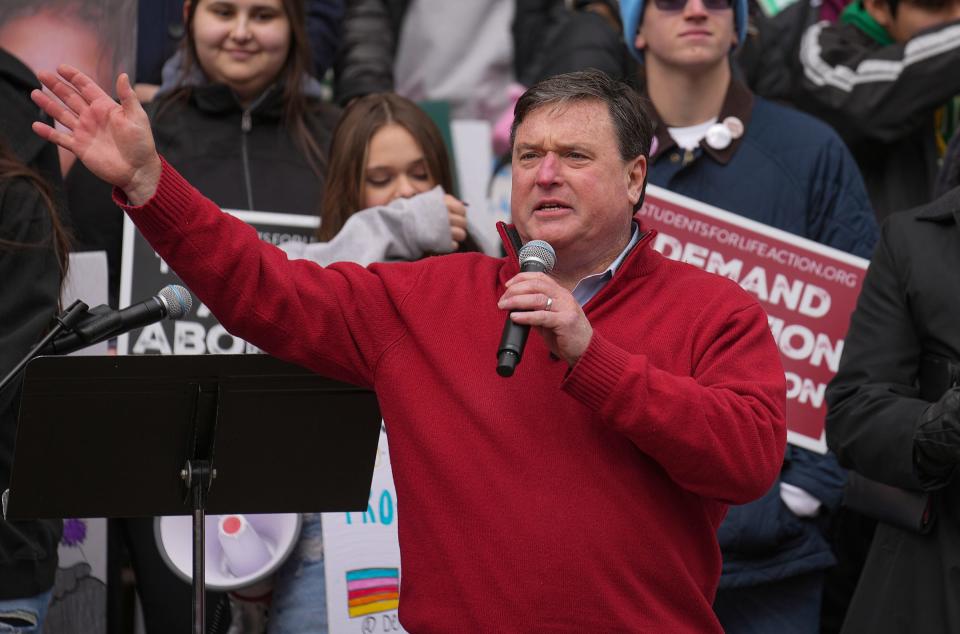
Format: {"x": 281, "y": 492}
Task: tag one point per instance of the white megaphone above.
{"x": 242, "y": 551}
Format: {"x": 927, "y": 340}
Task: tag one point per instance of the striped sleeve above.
{"x": 878, "y": 92}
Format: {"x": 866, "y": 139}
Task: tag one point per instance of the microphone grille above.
{"x": 538, "y": 250}
{"x": 178, "y": 300}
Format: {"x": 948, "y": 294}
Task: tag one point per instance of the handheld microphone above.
{"x": 535, "y": 256}
{"x": 172, "y": 302}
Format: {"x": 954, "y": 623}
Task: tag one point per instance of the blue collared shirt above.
{"x": 591, "y": 284}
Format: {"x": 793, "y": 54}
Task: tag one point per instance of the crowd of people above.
{"x": 834, "y": 122}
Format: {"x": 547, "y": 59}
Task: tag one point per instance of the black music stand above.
{"x": 130, "y": 436}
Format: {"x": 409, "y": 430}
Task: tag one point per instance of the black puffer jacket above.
{"x": 28, "y": 300}
{"x": 241, "y": 158}
{"x": 582, "y": 40}
{"x": 906, "y": 315}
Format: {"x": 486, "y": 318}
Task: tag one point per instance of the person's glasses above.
{"x": 678, "y": 5}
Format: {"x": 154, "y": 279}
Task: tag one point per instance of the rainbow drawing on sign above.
{"x": 371, "y": 590}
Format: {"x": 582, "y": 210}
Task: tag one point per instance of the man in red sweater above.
{"x": 583, "y": 493}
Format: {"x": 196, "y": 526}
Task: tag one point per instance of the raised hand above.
{"x": 113, "y": 140}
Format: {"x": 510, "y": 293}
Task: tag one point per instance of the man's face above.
{"x": 570, "y": 186}
{"x": 910, "y": 19}
{"x": 691, "y": 37}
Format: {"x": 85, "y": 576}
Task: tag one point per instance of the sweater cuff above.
{"x": 596, "y": 374}
{"x": 429, "y": 221}
{"x": 172, "y": 203}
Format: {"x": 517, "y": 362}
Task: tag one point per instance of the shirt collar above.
{"x": 591, "y": 284}
{"x": 738, "y": 103}
{"x": 943, "y": 209}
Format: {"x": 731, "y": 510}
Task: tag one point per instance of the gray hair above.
{"x": 629, "y": 112}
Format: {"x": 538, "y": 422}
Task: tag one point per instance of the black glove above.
{"x": 936, "y": 442}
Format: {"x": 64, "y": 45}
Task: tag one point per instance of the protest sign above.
{"x": 143, "y": 274}
{"x": 808, "y": 290}
{"x": 362, "y": 558}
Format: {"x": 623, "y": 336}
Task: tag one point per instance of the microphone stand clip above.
{"x": 66, "y": 321}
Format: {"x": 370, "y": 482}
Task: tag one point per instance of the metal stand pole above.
{"x": 198, "y": 475}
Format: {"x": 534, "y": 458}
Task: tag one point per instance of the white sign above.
{"x": 362, "y": 559}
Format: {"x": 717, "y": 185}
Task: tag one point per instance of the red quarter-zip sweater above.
{"x": 581, "y": 499}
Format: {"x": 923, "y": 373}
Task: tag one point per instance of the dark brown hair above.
{"x": 343, "y": 191}
{"x": 12, "y": 168}
{"x": 296, "y": 68}
{"x": 629, "y": 111}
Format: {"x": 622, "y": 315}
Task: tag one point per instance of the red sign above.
{"x": 808, "y": 290}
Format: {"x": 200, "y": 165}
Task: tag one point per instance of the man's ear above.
{"x": 636, "y": 175}
{"x": 879, "y": 10}
{"x": 186, "y": 9}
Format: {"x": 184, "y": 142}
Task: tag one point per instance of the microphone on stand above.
{"x": 85, "y": 327}
{"x": 172, "y": 302}
{"x": 535, "y": 256}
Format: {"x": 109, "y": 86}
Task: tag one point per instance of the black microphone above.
{"x": 535, "y": 256}
{"x": 103, "y": 322}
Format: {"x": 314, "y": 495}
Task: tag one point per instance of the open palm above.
{"x": 113, "y": 140}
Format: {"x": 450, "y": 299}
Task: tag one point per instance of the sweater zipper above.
{"x": 246, "y": 124}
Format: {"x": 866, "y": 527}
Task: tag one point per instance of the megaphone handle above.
{"x": 198, "y": 475}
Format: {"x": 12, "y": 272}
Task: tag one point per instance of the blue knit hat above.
{"x": 631, "y": 11}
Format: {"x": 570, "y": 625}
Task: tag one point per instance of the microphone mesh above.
{"x": 177, "y": 299}
{"x": 538, "y": 250}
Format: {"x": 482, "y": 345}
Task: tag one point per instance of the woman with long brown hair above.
{"x": 241, "y": 117}
{"x": 389, "y": 196}
{"x": 33, "y": 262}
{"x": 253, "y": 113}
{"x": 390, "y": 191}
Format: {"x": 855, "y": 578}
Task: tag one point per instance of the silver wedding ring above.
{"x": 549, "y": 303}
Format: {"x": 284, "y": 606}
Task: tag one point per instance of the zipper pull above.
{"x": 246, "y": 121}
